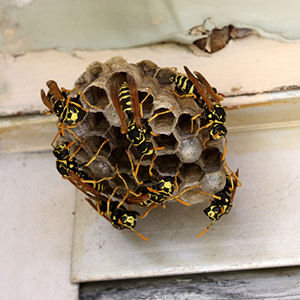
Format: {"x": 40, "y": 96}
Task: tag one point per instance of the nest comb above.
{"x": 183, "y": 151}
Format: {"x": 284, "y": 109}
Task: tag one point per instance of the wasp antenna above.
{"x": 205, "y": 229}
{"x": 71, "y": 144}
{"x": 144, "y": 238}
{"x": 182, "y": 202}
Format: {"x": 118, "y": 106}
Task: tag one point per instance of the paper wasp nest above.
{"x": 183, "y": 151}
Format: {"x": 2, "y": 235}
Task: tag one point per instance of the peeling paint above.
{"x": 216, "y": 39}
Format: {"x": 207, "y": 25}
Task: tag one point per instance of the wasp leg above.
{"x": 98, "y": 181}
{"x": 88, "y": 103}
{"x": 182, "y": 202}
{"x": 205, "y": 126}
{"x": 109, "y": 200}
{"x": 97, "y": 153}
{"x": 146, "y": 213}
{"x": 123, "y": 200}
{"x": 125, "y": 183}
{"x": 184, "y": 96}
{"x": 69, "y": 91}
{"x": 132, "y": 169}
{"x": 56, "y": 136}
{"x": 154, "y": 134}
{"x": 137, "y": 170}
{"x": 97, "y": 208}
{"x": 68, "y": 102}
{"x": 192, "y": 121}
{"x": 61, "y": 131}
{"x": 77, "y": 150}
{"x": 79, "y": 106}
{"x": 204, "y": 144}
{"x": 175, "y": 182}
{"x": 161, "y": 113}
{"x": 141, "y": 104}
{"x": 152, "y": 165}
{"x": 232, "y": 174}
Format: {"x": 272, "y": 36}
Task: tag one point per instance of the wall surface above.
{"x": 105, "y": 24}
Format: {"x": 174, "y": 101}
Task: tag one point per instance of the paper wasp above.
{"x": 68, "y": 109}
{"x": 162, "y": 192}
{"x": 66, "y": 163}
{"x": 155, "y": 196}
{"x": 223, "y": 205}
{"x": 117, "y": 215}
{"x": 126, "y": 102}
{"x": 215, "y": 117}
{"x": 186, "y": 85}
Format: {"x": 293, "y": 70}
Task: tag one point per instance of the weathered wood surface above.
{"x": 268, "y": 284}
{"x": 249, "y": 66}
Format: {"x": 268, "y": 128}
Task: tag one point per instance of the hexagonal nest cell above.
{"x": 173, "y": 127}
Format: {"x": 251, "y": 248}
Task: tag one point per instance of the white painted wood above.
{"x": 27, "y": 133}
{"x": 249, "y": 66}
{"x": 36, "y": 227}
{"x": 261, "y": 231}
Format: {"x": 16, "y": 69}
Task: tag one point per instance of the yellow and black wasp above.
{"x": 155, "y": 196}
{"x": 223, "y": 205}
{"x": 126, "y": 102}
{"x": 66, "y": 163}
{"x": 215, "y": 117}
{"x": 161, "y": 193}
{"x": 67, "y": 109}
{"x": 118, "y": 215}
{"x": 187, "y": 85}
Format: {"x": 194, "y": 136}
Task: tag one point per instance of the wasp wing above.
{"x": 136, "y": 200}
{"x": 135, "y": 102}
{"x": 199, "y": 88}
{"x": 214, "y": 96}
{"x": 85, "y": 188}
{"x": 92, "y": 194}
{"x": 47, "y": 101}
{"x": 235, "y": 185}
{"x": 55, "y": 90}
{"x": 118, "y": 107}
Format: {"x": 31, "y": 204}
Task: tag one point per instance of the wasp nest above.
{"x": 167, "y": 119}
